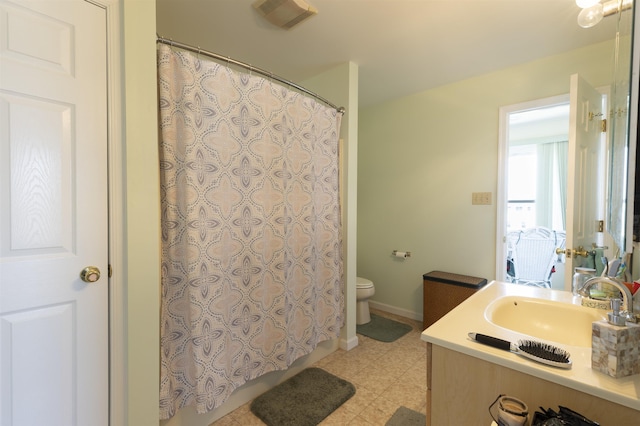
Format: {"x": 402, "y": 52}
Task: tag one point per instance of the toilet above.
{"x": 364, "y": 290}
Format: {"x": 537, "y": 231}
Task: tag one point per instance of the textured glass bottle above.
{"x": 581, "y": 276}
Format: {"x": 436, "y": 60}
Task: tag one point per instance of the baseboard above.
{"x": 395, "y": 310}
{"x": 348, "y": 344}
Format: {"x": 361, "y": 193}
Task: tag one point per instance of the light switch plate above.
{"x": 481, "y": 198}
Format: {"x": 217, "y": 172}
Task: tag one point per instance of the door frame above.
{"x": 503, "y": 157}
{"x": 115, "y": 170}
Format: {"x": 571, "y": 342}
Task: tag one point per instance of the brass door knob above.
{"x": 580, "y": 251}
{"x": 90, "y": 274}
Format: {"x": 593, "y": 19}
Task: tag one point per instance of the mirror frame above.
{"x": 634, "y": 111}
{"x": 623, "y": 131}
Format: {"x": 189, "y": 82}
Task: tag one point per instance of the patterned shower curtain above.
{"x": 251, "y": 243}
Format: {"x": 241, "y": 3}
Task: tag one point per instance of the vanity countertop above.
{"x": 451, "y": 332}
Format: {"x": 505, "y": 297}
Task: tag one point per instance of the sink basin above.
{"x": 544, "y": 319}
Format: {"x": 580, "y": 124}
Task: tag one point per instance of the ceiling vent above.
{"x": 285, "y": 13}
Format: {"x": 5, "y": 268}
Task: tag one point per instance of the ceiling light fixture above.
{"x": 593, "y": 11}
{"x": 285, "y": 13}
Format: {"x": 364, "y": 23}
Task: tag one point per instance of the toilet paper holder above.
{"x": 401, "y": 253}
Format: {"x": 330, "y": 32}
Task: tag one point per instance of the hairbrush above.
{"x": 537, "y": 351}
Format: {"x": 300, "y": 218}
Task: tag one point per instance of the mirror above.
{"x": 614, "y": 171}
{"x": 621, "y": 163}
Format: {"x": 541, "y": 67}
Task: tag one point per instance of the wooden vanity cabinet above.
{"x": 460, "y": 389}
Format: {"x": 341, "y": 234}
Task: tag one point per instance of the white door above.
{"x": 53, "y": 213}
{"x": 585, "y": 186}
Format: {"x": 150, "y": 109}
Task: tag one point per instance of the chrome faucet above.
{"x": 627, "y": 299}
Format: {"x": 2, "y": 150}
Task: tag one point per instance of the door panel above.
{"x": 39, "y": 166}
{"x": 41, "y": 346}
{"x": 584, "y": 187}
{"x": 53, "y": 213}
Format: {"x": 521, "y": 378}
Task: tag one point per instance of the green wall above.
{"x": 421, "y": 157}
{"x": 141, "y": 239}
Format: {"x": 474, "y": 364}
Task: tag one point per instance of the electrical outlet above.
{"x": 481, "y": 198}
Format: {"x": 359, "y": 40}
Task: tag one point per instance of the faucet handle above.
{"x": 632, "y": 317}
{"x": 620, "y": 318}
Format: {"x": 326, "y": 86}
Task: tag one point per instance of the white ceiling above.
{"x": 400, "y": 46}
{"x": 544, "y": 124}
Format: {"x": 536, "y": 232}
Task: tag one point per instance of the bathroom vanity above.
{"x": 464, "y": 377}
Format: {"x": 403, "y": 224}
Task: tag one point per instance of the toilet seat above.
{"x": 363, "y": 283}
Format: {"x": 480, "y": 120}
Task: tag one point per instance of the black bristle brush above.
{"x": 531, "y": 349}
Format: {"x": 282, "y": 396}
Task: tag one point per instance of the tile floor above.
{"x": 386, "y": 376}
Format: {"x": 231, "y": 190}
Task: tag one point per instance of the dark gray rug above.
{"x": 303, "y": 400}
{"x": 406, "y": 417}
{"x": 383, "y": 329}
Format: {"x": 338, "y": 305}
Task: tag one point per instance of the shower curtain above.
{"x": 251, "y": 244}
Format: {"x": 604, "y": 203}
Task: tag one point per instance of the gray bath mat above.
{"x": 303, "y": 400}
{"x": 406, "y": 417}
{"x": 383, "y": 329}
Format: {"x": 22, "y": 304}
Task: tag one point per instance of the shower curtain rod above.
{"x": 249, "y": 67}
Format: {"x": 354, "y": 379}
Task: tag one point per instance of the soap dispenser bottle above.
{"x": 615, "y": 344}
{"x": 614, "y": 316}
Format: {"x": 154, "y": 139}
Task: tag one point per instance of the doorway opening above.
{"x": 532, "y": 202}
